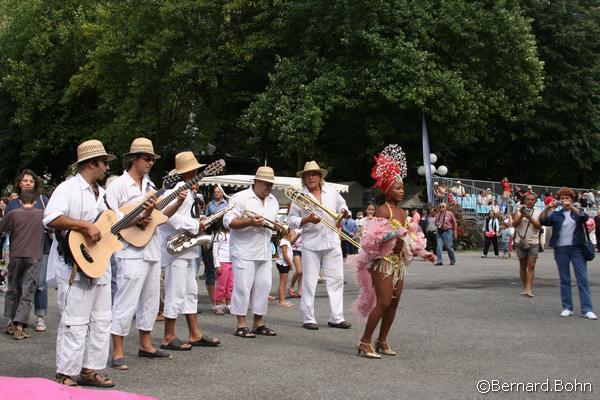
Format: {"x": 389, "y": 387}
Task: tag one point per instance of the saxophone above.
{"x": 184, "y": 241}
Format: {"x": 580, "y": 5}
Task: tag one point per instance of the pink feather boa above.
{"x": 374, "y": 247}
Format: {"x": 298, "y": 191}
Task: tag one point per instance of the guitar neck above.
{"x": 127, "y": 219}
{"x": 188, "y": 185}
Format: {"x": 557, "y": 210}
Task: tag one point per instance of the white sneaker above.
{"x": 566, "y": 313}
{"x": 590, "y": 315}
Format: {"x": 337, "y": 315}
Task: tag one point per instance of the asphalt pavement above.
{"x": 456, "y": 327}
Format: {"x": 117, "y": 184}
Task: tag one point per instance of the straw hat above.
{"x": 92, "y": 149}
{"x": 312, "y": 166}
{"x": 142, "y": 146}
{"x": 186, "y": 162}
{"x": 265, "y": 174}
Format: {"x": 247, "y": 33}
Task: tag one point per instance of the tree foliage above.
{"x": 294, "y": 80}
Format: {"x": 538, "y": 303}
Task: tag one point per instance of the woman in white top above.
{"x": 284, "y": 262}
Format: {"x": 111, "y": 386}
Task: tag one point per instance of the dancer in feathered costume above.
{"x": 388, "y": 245}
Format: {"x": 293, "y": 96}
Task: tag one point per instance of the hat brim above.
{"x": 322, "y": 171}
{"x": 156, "y": 156}
{"x": 109, "y": 157}
{"x": 189, "y": 168}
{"x": 265, "y": 180}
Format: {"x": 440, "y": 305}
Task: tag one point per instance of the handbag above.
{"x": 588, "y": 247}
{"x": 490, "y": 234}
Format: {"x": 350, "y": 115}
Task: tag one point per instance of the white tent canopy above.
{"x": 281, "y": 182}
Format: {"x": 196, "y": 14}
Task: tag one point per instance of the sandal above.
{"x": 244, "y": 332}
{"x": 292, "y": 293}
{"x": 205, "y": 341}
{"x": 263, "y": 330}
{"x": 286, "y": 304}
{"x": 177, "y": 345}
{"x": 95, "y": 379}
{"x": 65, "y": 380}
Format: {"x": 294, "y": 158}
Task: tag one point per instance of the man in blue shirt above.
{"x": 217, "y": 203}
{"x": 350, "y": 228}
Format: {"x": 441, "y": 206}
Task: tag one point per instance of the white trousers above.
{"x": 181, "y": 288}
{"x": 333, "y": 267}
{"x": 83, "y": 337}
{"x": 138, "y": 291}
{"x": 251, "y": 284}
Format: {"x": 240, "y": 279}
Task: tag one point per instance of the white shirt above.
{"x": 124, "y": 191}
{"x": 73, "y": 198}
{"x": 180, "y": 221}
{"x": 221, "y": 248}
{"x": 251, "y": 243}
{"x": 289, "y": 251}
{"x": 318, "y": 236}
{"x": 567, "y": 230}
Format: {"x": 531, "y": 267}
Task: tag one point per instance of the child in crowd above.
{"x": 223, "y": 270}
{"x": 505, "y": 235}
{"x": 284, "y": 262}
{"x": 26, "y": 231}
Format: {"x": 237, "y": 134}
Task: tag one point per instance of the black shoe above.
{"x": 341, "y": 325}
{"x": 438, "y": 264}
{"x": 311, "y": 326}
{"x": 452, "y": 262}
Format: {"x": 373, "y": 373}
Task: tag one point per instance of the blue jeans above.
{"x": 564, "y": 256}
{"x": 40, "y": 301}
{"x": 447, "y": 238}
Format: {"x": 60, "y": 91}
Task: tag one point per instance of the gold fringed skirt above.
{"x": 391, "y": 265}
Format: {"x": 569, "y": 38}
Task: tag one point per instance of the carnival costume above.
{"x": 381, "y": 235}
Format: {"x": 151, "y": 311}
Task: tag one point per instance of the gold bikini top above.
{"x": 396, "y": 223}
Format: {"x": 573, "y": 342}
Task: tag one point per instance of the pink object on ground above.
{"x": 41, "y": 388}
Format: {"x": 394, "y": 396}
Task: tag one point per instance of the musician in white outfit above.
{"x": 83, "y": 337}
{"x": 181, "y": 287}
{"x": 320, "y": 247}
{"x": 138, "y": 274}
{"x": 250, "y": 250}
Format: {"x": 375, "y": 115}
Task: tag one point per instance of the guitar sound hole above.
{"x": 85, "y": 254}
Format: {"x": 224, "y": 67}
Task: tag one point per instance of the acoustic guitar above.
{"x": 140, "y": 236}
{"x": 93, "y": 259}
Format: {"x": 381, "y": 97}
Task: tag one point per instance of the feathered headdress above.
{"x": 390, "y": 167}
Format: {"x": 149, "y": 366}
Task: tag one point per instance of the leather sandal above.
{"x": 95, "y": 379}
{"x": 65, "y": 380}
{"x": 244, "y": 332}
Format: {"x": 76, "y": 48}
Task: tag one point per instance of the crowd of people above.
{"x": 109, "y": 271}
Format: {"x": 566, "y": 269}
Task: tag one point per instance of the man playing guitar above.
{"x": 138, "y": 273}
{"x": 82, "y": 341}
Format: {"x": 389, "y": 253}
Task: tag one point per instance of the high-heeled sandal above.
{"x": 368, "y": 354}
{"x": 387, "y": 350}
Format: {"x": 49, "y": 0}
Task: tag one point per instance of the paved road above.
{"x": 455, "y": 326}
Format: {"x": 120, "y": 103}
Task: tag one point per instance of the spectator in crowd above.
{"x": 591, "y": 200}
{"x": 488, "y": 197}
{"x": 481, "y": 198}
{"x": 567, "y": 240}
{"x": 597, "y": 225}
{"x": 582, "y": 200}
{"x": 596, "y": 197}
{"x": 26, "y": 230}
{"x": 491, "y": 227}
{"x": 458, "y": 190}
{"x": 297, "y": 276}
{"x": 431, "y": 230}
{"x": 445, "y": 222}
{"x": 29, "y": 180}
{"x": 527, "y": 224}
{"x": 223, "y": 270}
{"x": 369, "y": 213}
{"x": 350, "y": 228}
{"x": 505, "y": 240}
{"x": 285, "y": 256}
{"x": 495, "y": 207}
{"x": 415, "y": 216}
{"x": 548, "y": 198}
{"x": 440, "y": 192}
{"x": 506, "y": 191}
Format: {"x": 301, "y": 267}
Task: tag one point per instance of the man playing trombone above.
{"x": 320, "y": 246}
{"x": 250, "y": 250}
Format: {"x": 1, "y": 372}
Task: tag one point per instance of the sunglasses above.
{"x": 147, "y": 158}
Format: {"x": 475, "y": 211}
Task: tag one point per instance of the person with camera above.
{"x": 568, "y": 241}
{"x": 447, "y": 232}
{"x": 526, "y": 221}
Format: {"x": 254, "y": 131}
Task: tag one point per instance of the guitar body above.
{"x": 136, "y": 236}
{"x": 93, "y": 260}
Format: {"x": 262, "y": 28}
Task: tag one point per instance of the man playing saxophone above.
{"x": 181, "y": 287}
{"x": 320, "y": 247}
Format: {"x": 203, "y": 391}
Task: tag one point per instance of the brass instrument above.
{"x": 278, "y": 227}
{"x": 307, "y": 204}
{"x": 184, "y": 241}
